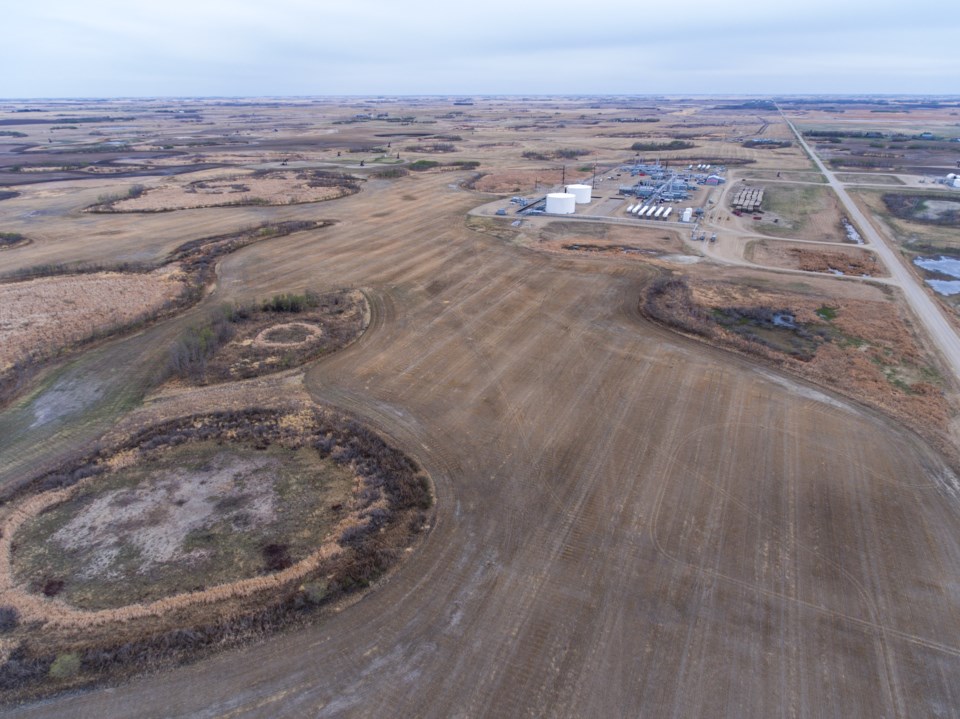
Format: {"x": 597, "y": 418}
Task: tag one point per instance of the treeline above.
{"x": 563, "y": 153}
{"x": 422, "y": 165}
{"x": 658, "y": 146}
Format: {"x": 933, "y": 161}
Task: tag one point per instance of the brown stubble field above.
{"x": 628, "y": 521}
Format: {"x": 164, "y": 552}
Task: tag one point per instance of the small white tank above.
{"x": 580, "y": 192}
{"x": 561, "y": 203}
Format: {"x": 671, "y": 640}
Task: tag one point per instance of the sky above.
{"x": 247, "y": 48}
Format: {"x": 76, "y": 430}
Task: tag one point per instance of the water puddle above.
{"x": 852, "y": 233}
{"x": 785, "y": 319}
{"x": 948, "y": 266}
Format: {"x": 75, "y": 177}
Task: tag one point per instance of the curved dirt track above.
{"x": 629, "y": 524}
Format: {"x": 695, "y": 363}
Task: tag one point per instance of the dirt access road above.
{"x": 629, "y": 523}
{"x": 923, "y": 305}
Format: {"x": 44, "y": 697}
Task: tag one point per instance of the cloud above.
{"x": 113, "y": 48}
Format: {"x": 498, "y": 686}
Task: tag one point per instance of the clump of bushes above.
{"x": 291, "y": 302}
{"x": 566, "y": 153}
{"x": 391, "y": 173}
{"x": 670, "y": 301}
{"x": 65, "y": 666}
{"x": 9, "y": 618}
{"x": 189, "y": 356}
{"x": 421, "y": 165}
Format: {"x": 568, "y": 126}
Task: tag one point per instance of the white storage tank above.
{"x": 561, "y": 203}
{"x": 580, "y": 192}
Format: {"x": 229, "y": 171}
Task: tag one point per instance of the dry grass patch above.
{"x": 258, "y": 188}
{"x": 843, "y": 260}
{"x": 803, "y": 212}
{"x": 523, "y": 181}
{"x": 37, "y": 316}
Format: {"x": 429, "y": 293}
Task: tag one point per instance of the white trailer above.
{"x": 630, "y": 208}
{"x": 658, "y": 213}
{"x": 652, "y": 209}
{"x": 666, "y": 214}
{"x": 639, "y": 209}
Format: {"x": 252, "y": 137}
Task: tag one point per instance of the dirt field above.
{"x": 627, "y": 520}
{"x": 42, "y": 315}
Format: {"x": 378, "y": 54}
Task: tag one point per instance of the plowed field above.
{"x": 629, "y": 523}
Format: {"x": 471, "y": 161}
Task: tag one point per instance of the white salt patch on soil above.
{"x": 154, "y": 518}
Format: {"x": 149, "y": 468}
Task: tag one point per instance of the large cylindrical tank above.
{"x": 580, "y": 192}
{"x": 561, "y": 203}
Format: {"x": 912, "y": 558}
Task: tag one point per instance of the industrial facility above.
{"x": 655, "y": 187}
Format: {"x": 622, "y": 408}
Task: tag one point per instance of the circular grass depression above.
{"x": 182, "y": 518}
{"x": 197, "y": 534}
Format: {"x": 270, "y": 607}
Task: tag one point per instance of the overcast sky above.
{"x": 114, "y": 48}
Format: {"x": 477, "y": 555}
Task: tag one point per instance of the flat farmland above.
{"x": 629, "y": 522}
